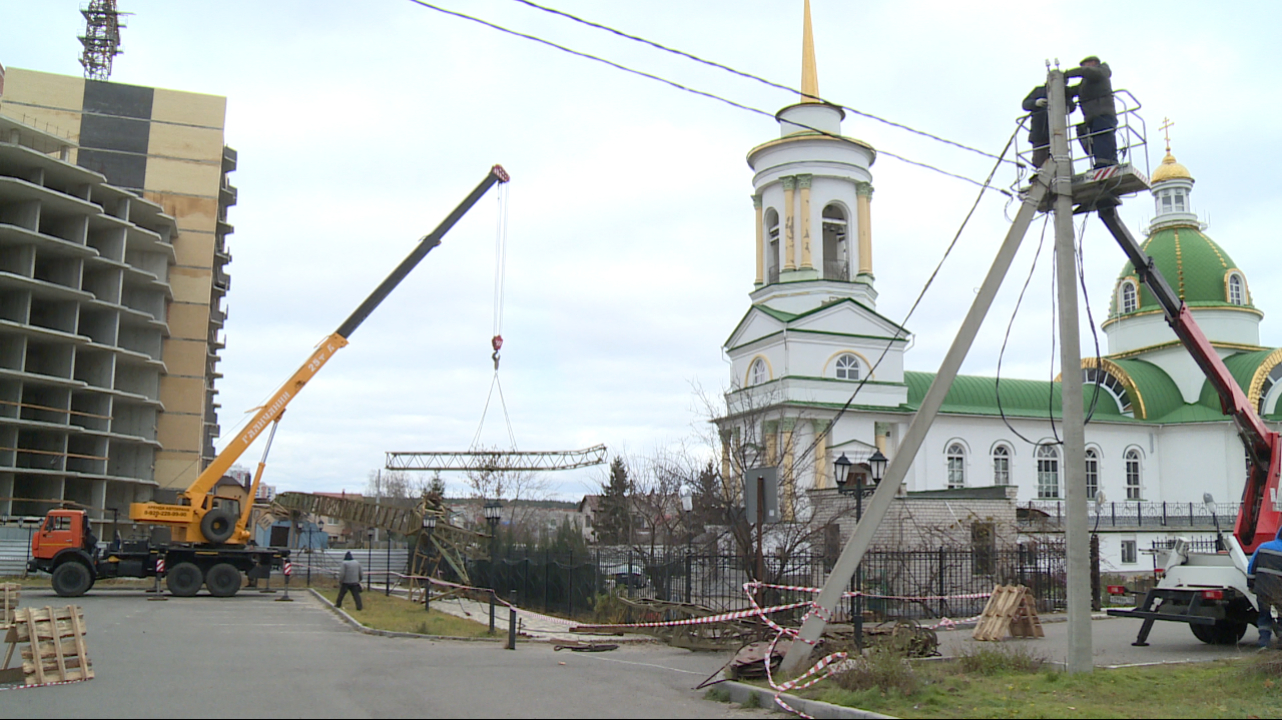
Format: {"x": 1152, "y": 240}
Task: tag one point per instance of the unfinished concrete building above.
{"x": 113, "y": 227}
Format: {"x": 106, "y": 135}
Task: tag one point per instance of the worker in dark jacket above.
{"x": 349, "y": 580}
{"x": 1099, "y": 114}
{"x": 1039, "y": 132}
{"x": 1264, "y": 623}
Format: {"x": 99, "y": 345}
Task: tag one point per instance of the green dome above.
{"x": 1195, "y": 267}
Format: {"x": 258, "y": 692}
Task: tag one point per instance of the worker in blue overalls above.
{"x": 1265, "y": 621}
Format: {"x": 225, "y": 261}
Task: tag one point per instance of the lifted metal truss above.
{"x": 497, "y": 460}
{"x": 448, "y": 543}
{"x": 101, "y": 38}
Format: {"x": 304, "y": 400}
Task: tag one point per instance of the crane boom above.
{"x": 1256, "y": 521}
{"x": 186, "y": 517}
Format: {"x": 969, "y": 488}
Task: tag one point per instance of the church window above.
{"x": 1047, "y": 472}
{"x": 1167, "y": 203}
{"x": 1001, "y": 465}
{"x": 1092, "y": 473}
{"x": 1180, "y": 205}
{"x": 757, "y": 374}
{"x": 1129, "y": 300}
{"x": 1132, "y": 474}
{"x": 1114, "y": 387}
{"x": 847, "y": 367}
{"x": 772, "y": 246}
{"x": 1129, "y": 554}
{"x": 836, "y": 250}
{"x": 956, "y": 466}
{"x": 1237, "y": 289}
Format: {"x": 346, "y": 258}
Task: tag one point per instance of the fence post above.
{"x": 1164, "y": 512}
{"x": 547, "y": 577}
{"x": 511, "y": 624}
{"x": 1190, "y": 514}
{"x": 492, "y": 594}
{"x": 1139, "y": 515}
{"x": 1113, "y": 509}
{"x": 942, "y": 563}
{"x": 569, "y": 583}
{"x": 1095, "y": 579}
{"x": 689, "y": 579}
{"x": 630, "y": 571}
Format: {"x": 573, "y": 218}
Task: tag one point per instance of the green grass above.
{"x": 1242, "y": 688}
{"x": 398, "y": 615}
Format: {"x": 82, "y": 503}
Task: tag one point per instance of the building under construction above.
{"x": 113, "y": 230}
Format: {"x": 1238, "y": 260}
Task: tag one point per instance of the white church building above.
{"x": 1157, "y": 440}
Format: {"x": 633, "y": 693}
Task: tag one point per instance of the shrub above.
{"x": 717, "y": 694}
{"x": 985, "y": 660}
{"x": 608, "y": 609}
{"x": 882, "y": 669}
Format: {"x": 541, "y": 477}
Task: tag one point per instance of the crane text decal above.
{"x": 266, "y": 417}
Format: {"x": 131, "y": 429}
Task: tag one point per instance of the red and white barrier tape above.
{"x": 40, "y": 685}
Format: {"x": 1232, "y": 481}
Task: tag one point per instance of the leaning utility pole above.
{"x": 1070, "y": 362}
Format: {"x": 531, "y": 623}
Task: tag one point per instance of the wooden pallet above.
{"x": 1010, "y": 611}
{"x": 52, "y": 642}
{"x": 9, "y": 596}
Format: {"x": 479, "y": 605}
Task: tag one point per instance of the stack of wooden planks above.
{"x": 1010, "y": 611}
{"x": 52, "y": 642}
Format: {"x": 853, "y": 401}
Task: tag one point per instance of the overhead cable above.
{"x": 759, "y": 79}
{"x": 685, "y": 88}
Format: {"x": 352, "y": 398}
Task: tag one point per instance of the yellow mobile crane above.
{"x": 209, "y": 539}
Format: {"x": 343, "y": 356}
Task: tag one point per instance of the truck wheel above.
{"x": 184, "y": 579}
{"x": 217, "y": 526}
{"x": 72, "y": 579}
{"x": 223, "y": 580}
{"x": 1223, "y": 632}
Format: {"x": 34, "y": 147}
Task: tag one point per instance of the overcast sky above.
{"x": 359, "y": 126}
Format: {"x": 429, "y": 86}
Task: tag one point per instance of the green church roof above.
{"x": 1194, "y": 265}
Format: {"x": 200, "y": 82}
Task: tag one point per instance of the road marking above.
{"x": 661, "y": 667}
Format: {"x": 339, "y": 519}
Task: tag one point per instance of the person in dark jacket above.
{"x": 1099, "y": 114}
{"x": 349, "y": 580}
{"x": 1264, "y": 623}
{"x": 1039, "y": 132}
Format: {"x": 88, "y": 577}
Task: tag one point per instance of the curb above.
{"x": 741, "y": 692}
{"x": 356, "y": 624}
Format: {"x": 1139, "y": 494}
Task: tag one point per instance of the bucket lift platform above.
{"x": 1102, "y": 186}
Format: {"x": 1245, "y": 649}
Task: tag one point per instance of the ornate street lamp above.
{"x": 877, "y": 468}
{"x": 687, "y": 506}
{"x": 493, "y": 513}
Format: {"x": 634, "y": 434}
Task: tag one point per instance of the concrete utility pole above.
{"x": 1070, "y": 362}
{"x": 880, "y": 502}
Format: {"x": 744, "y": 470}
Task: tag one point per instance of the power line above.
{"x": 695, "y": 91}
{"x": 759, "y": 79}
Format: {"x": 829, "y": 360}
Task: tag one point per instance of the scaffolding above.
{"x": 101, "y": 39}
{"x": 497, "y": 460}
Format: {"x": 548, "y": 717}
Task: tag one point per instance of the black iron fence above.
{"x": 1130, "y": 514}
{"x": 570, "y": 584}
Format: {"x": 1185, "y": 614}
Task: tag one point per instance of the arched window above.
{"x": 1129, "y": 300}
{"x": 1047, "y": 472}
{"x": 772, "y": 246}
{"x": 836, "y": 251}
{"x": 1001, "y": 465}
{"x": 1092, "y": 474}
{"x": 1237, "y": 289}
{"x": 1112, "y": 386}
{"x": 956, "y": 466}
{"x": 1132, "y": 474}
{"x": 848, "y": 367}
{"x": 758, "y": 374}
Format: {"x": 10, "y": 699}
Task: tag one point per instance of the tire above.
{"x": 223, "y": 580}
{"x": 184, "y": 579}
{"x": 1223, "y": 632}
{"x": 72, "y": 579}
{"x": 217, "y": 526}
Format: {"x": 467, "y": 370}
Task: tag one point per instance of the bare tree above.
{"x": 512, "y": 487}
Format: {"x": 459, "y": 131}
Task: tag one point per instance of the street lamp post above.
{"x": 429, "y": 524}
{"x": 493, "y": 510}
{"x": 687, "y": 505}
{"x": 877, "y": 467}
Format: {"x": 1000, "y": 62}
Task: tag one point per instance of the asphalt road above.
{"x": 1111, "y": 643}
{"x": 251, "y": 656}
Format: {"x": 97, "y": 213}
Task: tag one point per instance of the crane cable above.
{"x": 496, "y": 342}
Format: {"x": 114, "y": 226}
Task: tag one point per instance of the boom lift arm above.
{"x": 194, "y": 519}
{"x": 1256, "y": 522}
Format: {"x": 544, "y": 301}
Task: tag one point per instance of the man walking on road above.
{"x": 1264, "y": 623}
{"x": 349, "y": 580}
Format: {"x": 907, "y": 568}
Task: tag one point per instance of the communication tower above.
{"x": 101, "y": 38}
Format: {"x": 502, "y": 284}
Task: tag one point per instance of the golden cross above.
{"x": 1166, "y": 127}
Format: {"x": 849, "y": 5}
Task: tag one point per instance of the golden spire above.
{"x": 809, "y": 74}
{"x": 1166, "y": 127}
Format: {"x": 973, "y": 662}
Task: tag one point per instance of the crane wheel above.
{"x": 223, "y": 580}
{"x": 72, "y": 579}
{"x": 217, "y": 526}
{"x": 184, "y": 579}
{"x": 1223, "y": 632}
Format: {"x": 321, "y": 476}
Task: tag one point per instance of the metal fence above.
{"x": 1130, "y": 514}
{"x": 569, "y": 584}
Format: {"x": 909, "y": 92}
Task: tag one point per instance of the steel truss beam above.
{"x": 497, "y": 460}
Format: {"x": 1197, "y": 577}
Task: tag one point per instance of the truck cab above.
{"x": 65, "y": 539}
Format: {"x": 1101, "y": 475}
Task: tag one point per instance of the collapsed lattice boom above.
{"x": 497, "y": 460}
